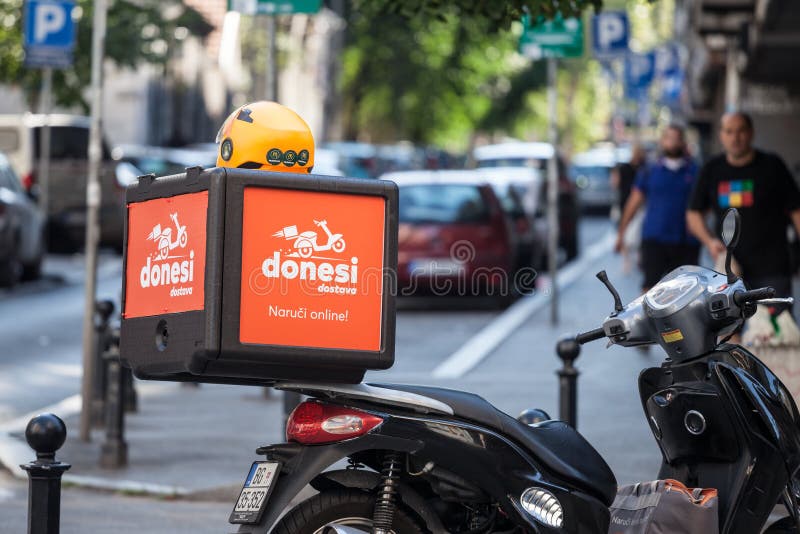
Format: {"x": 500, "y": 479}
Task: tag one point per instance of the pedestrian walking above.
{"x": 663, "y": 188}
{"x": 760, "y": 186}
{"x": 623, "y": 177}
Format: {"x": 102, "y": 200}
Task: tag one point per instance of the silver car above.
{"x": 21, "y": 230}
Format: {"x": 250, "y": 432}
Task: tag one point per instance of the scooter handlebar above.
{"x": 591, "y": 335}
{"x": 754, "y": 295}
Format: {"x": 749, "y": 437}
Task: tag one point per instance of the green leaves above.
{"x": 501, "y": 14}
{"x": 137, "y": 32}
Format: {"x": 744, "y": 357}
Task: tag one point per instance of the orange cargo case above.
{"x": 250, "y": 277}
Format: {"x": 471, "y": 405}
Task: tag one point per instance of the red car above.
{"x": 454, "y": 237}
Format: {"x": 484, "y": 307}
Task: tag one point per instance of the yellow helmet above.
{"x": 268, "y": 136}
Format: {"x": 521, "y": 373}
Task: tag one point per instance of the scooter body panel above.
{"x": 725, "y": 421}
{"x": 497, "y": 470}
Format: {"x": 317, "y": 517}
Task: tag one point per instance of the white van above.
{"x": 69, "y": 143}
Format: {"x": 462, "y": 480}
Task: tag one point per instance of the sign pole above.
{"x": 272, "y": 59}
{"x": 552, "y": 186}
{"x": 44, "y": 143}
{"x": 92, "y": 211}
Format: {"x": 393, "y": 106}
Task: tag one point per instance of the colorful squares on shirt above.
{"x": 735, "y": 194}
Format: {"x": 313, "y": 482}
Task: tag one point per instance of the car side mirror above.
{"x": 731, "y": 231}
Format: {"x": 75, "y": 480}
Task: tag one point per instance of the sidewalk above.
{"x": 184, "y": 441}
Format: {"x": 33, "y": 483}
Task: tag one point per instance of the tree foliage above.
{"x": 140, "y": 31}
{"x": 500, "y": 14}
{"x": 426, "y": 80}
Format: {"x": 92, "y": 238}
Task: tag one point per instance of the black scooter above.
{"x": 411, "y": 459}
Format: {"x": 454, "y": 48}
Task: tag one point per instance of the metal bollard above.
{"x": 103, "y": 310}
{"x": 130, "y": 396}
{"x": 568, "y": 350}
{"x": 114, "y": 451}
{"x": 45, "y": 434}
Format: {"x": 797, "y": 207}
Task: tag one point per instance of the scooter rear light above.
{"x": 313, "y": 423}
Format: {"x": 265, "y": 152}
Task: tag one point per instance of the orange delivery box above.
{"x": 252, "y": 277}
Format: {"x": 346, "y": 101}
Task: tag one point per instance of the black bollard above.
{"x": 114, "y": 451}
{"x": 130, "y": 396}
{"x": 45, "y": 434}
{"x": 568, "y": 350}
{"x": 103, "y": 310}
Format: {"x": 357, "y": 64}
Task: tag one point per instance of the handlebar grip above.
{"x": 754, "y": 295}
{"x": 591, "y": 335}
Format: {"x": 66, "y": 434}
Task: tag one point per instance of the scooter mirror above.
{"x": 731, "y": 228}
{"x": 341, "y": 529}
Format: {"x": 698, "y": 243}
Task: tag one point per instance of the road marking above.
{"x": 128, "y": 486}
{"x": 477, "y": 348}
{"x": 64, "y": 409}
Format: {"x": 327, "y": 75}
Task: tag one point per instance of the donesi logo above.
{"x": 166, "y": 261}
{"x": 165, "y": 269}
{"x": 309, "y": 259}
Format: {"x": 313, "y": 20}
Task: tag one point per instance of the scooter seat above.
{"x": 558, "y": 446}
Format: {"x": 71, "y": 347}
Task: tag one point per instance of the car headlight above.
{"x": 543, "y": 506}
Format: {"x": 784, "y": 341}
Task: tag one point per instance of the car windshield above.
{"x": 532, "y": 163}
{"x": 510, "y": 197}
{"x": 591, "y": 172}
{"x": 442, "y": 204}
{"x": 67, "y": 142}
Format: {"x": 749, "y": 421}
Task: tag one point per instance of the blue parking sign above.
{"x": 639, "y": 73}
{"x": 49, "y": 35}
{"x": 610, "y": 31}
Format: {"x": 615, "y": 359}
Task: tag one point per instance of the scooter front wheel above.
{"x": 338, "y": 246}
{"x": 346, "y": 507}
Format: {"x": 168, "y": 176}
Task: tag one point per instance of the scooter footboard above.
{"x": 302, "y": 464}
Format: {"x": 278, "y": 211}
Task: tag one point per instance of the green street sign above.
{"x": 558, "y": 38}
{"x": 274, "y": 7}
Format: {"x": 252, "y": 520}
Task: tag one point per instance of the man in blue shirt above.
{"x": 664, "y": 188}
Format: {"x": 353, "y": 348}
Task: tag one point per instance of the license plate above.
{"x": 435, "y": 267}
{"x": 256, "y": 491}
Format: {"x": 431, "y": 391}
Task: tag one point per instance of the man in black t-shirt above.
{"x": 759, "y": 185}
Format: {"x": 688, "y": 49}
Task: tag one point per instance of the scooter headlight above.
{"x": 543, "y": 506}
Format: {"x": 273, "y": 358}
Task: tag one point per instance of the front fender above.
{"x": 302, "y": 464}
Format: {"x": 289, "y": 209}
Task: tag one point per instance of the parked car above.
{"x": 591, "y": 173}
{"x": 69, "y": 168}
{"x": 163, "y": 161}
{"x": 454, "y": 236}
{"x": 327, "y": 162}
{"x": 356, "y": 160}
{"x": 519, "y": 191}
{"x": 21, "y": 230}
{"x": 535, "y": 156}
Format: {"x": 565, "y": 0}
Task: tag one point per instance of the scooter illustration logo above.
{"x": 305, "y": 243}
{"x": 163, "y": 238}
{"x": 158, "y": 271}
{"x": 306, "y": 247}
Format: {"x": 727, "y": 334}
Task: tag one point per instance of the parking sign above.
{"x": 49, "y": 36}
{"x": 639, "y": 74}
{"x": 610, "y": 31}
